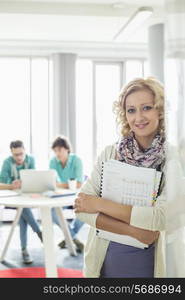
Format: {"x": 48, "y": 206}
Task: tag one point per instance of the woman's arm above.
{"x": 93, "y": 204}
{"x": 150, "y": 218}
{"x": 92, "y": 185}
{"x": 118, "y": 211}
{"x": 112, "y": 225}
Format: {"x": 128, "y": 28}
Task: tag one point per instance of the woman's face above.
{"x": 141, "y": 115}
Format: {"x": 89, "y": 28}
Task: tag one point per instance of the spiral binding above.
{"x": 160, "y": 184}
{"x": 101, "y": 179}
{"x": 101, "y": 187}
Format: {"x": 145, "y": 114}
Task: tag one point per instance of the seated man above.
{"x": 10, "y": 179}
{"x": 68, "y": 165}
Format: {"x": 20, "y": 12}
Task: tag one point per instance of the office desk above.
{"x": 45, "y": 205}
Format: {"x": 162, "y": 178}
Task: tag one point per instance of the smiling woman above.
{"x": 149, "y": 90}
{"x": 140, "y": 114}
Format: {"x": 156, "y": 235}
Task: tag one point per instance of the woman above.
{"x": 140, "y": 114}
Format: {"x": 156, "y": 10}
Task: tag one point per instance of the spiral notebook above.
{"x": 131, "y": 185}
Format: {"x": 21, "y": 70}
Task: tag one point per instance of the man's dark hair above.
{"x": 16, "y": 144}
{"x": 61, "y": 141}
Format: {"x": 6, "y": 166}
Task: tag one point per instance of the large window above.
{"x": 107, "y": 86}
{"x": 84, "y": 113}
{"x": 134, "y": 69}
{"x": 98, "y": 86}
{"x": 175, "y": 113}
{"x": 24, "y": 98}
{"x": 40, "y": 111}
{"x": 15, "y": 102}
{"x": 26, "y": 109}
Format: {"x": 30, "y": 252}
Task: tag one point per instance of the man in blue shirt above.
{"x": 68, "y": 166}
{"x": 10, "y": 179}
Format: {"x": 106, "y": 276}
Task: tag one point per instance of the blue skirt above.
{"x": 128, "y": 262}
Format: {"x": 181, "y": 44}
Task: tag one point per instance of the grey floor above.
{"x": 13, "y": 257}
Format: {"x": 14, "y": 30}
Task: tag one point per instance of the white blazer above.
{"x": 151, "y": 218}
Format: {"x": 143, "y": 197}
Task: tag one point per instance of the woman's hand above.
{"x": 87, "y": 203}
{"x": 145, "y": 236}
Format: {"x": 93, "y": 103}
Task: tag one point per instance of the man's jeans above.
{"x": 25, "y": 219}
{"x": 74, "y": 227}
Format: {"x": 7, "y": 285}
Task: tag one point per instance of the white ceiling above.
{"x": 56, "y": 27}
{"x": 73, "y": 20}
{"x": 137, "y": 2}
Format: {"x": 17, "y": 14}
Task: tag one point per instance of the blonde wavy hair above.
{"x": 150, "y": 84}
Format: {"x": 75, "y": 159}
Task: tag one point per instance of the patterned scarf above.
{"x": 130, "y": 152}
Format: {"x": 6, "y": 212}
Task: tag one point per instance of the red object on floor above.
{"x": 38, "y": 273}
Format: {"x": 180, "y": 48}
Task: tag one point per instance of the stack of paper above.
{"x": 128, "y": 184}
{"x": 131, "y": 185}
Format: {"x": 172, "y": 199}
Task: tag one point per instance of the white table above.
{"x": 45, "y": 205}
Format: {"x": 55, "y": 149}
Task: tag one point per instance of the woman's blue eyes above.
{"x": 145, "y": 108}
{"x": 131, "y": 110}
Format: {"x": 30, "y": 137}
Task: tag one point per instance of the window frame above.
{"x": 108, "y": 61}
{"x": 30, "y": 58}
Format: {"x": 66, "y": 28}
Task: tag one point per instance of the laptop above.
{"x": 36, "y": 181}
